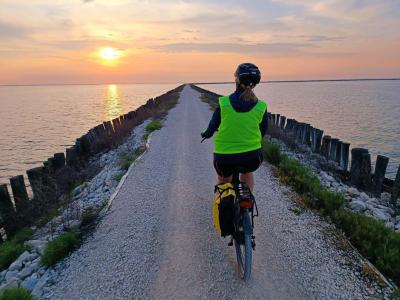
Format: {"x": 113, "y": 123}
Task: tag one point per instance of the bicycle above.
{"x": 243, "y": 225}
{"x": 243, "y": 237}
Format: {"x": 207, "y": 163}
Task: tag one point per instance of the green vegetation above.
{"x": 11, "y": 249}
{"x": 272, "y": 152}
{"x": 127, "y": 159}
{"x": 296, "y": 210}
{"x": 89, "y": 215}
{"x": 104, "y": 203}
{"x": 118, "y": 177}
{"x": 59, "y": 248}
{"x": 16, "y": 293}
{"x": 152, "y": 126}
{"x": 373, "y": 239}
{"x": 395, "y": 295}
{"x": 213, "y": 102}
{"x": 22, "y": 235}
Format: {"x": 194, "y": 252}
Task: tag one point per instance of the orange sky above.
{"x": 186, "y": 41}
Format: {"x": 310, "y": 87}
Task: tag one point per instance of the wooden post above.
{"x": 72, "y": 155}
{"x": 326, "y": 144}
{"x": 20, "y": 194}
{"x": 318, "y": 133}
{"x": 305, "y": 136}
{"x": 59, "y": 160}
{"x": 355, "y": 167}
{"x": 298, "y": 133}
{"x": 366, "y": 171}
{"x": 338, "y": 151}
{"x": 282, "y": 122}
{"x": 396, "y": 187}
{"x": 86, "y": 145}
{"x": 7, "y": 211}
{"x": 332, "y": 150}
{"x": 35, "y": 179}
{"x": 115, "y": 124}
{"x": 289, "y": 124}
{"x": 360, "y": 172}
{"x": 344, "y": 156}
{"x": 379, "y": 174}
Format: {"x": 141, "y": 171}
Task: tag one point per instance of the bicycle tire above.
{"x": 244, "y": 251}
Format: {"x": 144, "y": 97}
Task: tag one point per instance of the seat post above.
{"x": 235, "y": 178}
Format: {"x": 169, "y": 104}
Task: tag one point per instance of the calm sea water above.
{"x": 364, "y": 113}
{"x": 37, "y": 121}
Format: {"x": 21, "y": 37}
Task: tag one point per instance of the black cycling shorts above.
{"x": 226, "y": 164}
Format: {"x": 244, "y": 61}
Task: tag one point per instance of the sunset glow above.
{"x": 109, "y": 54}
{"x": 201, "y": 40}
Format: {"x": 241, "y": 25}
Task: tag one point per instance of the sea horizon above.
{"x": 210, "y": 82}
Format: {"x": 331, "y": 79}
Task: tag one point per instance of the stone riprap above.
{"x": 381, "y": 208}
{"x": 27, "y": 271}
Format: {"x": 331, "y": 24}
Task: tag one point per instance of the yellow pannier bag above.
{"x": 223, "y": 209}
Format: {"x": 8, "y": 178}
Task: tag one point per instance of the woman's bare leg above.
{"x": 249, "y": 179}
{"x": 221, "y": 179}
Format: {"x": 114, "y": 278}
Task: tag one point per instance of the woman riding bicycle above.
{"x": 241, "y": 122}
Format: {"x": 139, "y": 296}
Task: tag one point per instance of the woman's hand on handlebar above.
{"x": 203, "y": 136}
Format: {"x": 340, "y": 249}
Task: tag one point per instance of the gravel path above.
{"x": 157, "y": 240}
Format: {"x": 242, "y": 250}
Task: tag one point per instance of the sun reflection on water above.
{"x": 113, "y": 103}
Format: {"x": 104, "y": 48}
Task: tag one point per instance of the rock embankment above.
{"x": 27, "y": 271}
{"x": 381, "y": 208}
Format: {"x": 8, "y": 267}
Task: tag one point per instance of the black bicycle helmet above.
{"x": 248, "y": 74}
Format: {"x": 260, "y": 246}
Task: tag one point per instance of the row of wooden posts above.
{"x": 52, "y": 181}
{"x": 337, "y": 151}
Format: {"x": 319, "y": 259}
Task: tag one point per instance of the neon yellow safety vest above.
{"x": 239, "y": 131}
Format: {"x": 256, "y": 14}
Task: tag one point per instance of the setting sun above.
{"x": 109, "y": 54}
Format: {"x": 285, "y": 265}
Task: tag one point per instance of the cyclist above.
{"x": 240, "y": 121}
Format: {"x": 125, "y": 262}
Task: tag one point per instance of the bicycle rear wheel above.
{"x": 243, "y": 246}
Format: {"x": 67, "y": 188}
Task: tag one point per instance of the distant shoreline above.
{"x": 220, "y": 82}
{"x": 307, "y": 80}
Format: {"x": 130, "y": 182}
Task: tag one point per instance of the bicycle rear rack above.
{"x": 245, "y": 195}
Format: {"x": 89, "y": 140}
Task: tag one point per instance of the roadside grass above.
{"x": 296, "y": 210}
{"x": 89, "y": 215}
{"x": 152, "y": 126}
{"x": 371, "y": 237}
{"x": 118, "y": 177}
{"x": 395, "y": 295}
{"x": 59, "y": 248}
{"x": 272, "y": 152}
{"x": 16, "y": 293}
{"x": 11, "y": 249}
{"x": 207, "y": 99}
{"x": 104, "y": 202}
{"x": 127, "y": 159}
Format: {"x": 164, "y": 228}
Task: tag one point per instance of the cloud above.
{"x": 312, "y": 38}
{"x": 8, "y": 30}
{"x": 267, "y": 48}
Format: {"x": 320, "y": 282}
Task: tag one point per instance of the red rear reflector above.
{"x": 246, "y": 204}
